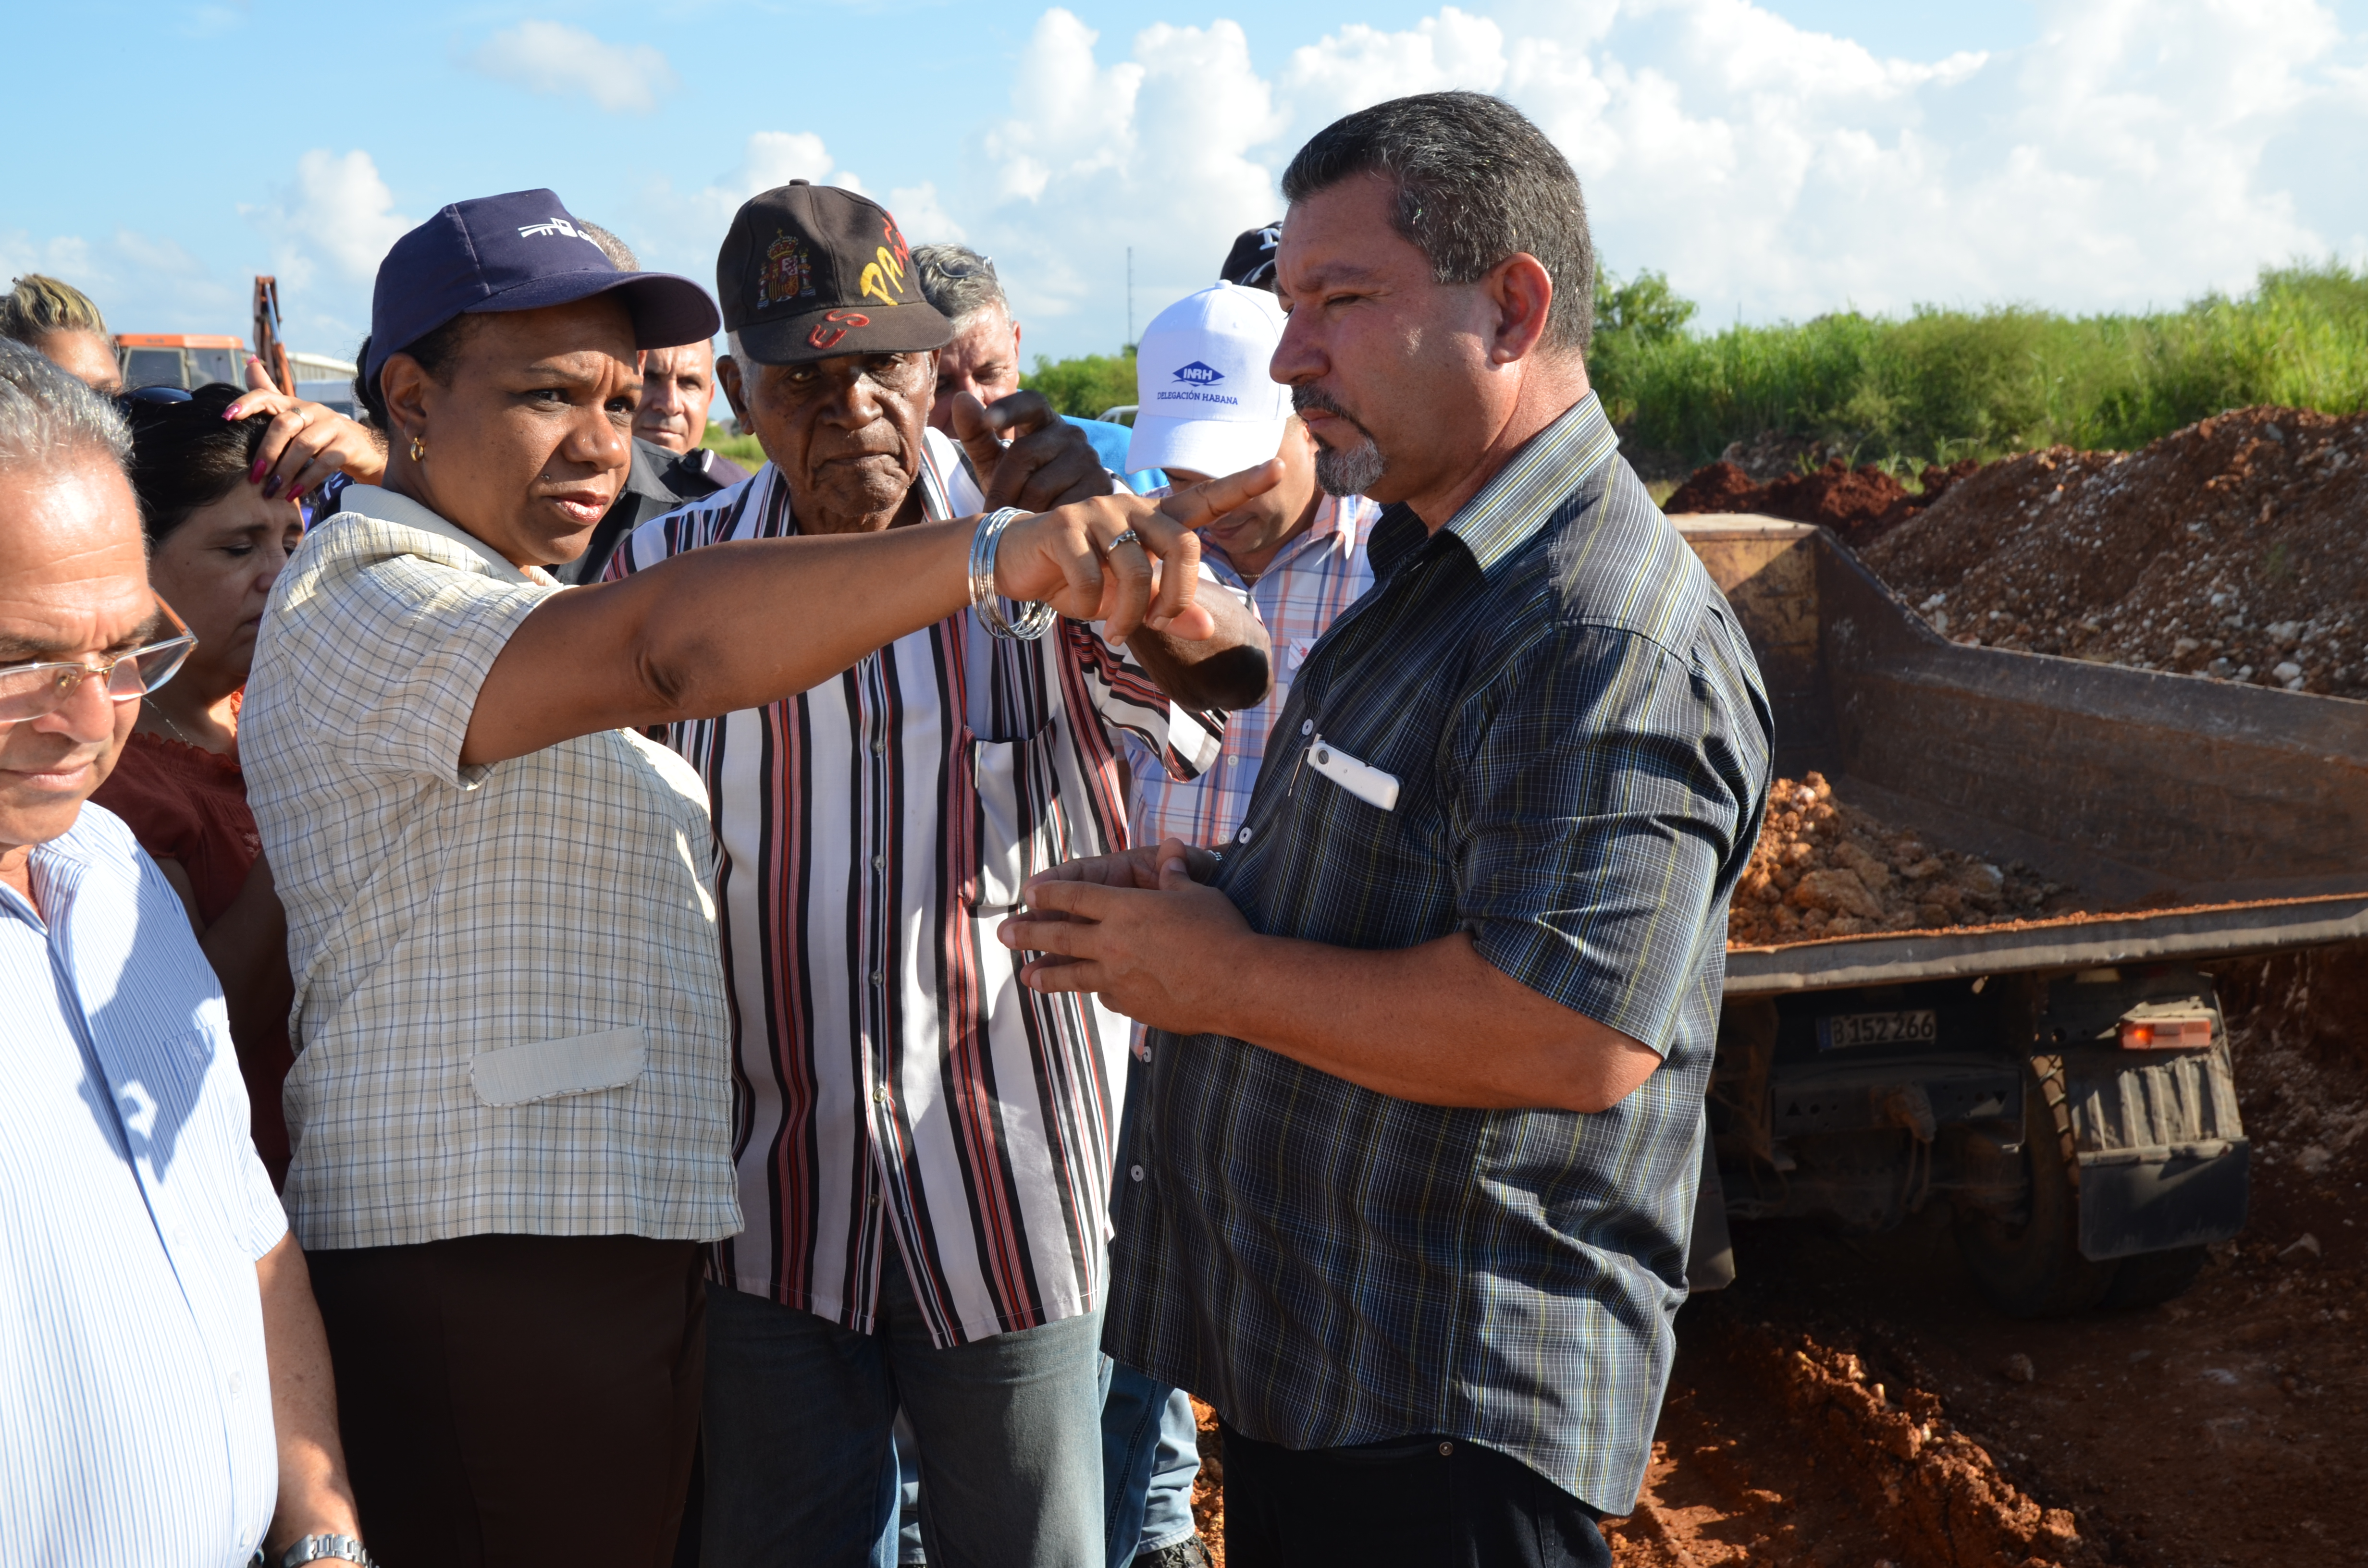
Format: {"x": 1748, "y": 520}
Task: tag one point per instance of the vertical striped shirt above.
{"x": 1581, "y": 745}
{"x": 1309, "y": 581}
{"x": 135, "y": 1396}
{"x": 897, "y": 1086}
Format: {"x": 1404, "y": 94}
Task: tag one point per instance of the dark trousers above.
{"x": 1427, "y": 1502}
{"x": 518, "y": 1399}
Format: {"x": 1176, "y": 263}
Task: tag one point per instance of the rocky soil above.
{"x": 2236, "y": 548}
{"x": 1824, "y": 868}
{"x": 1851, "y": 1403}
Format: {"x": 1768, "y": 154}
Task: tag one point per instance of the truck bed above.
{"x": 2198, "y": 818}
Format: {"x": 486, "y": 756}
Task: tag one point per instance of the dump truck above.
{"x": 2064, "y": 1085}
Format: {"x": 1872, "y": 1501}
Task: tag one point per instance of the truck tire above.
{"x": 2035, "y": 1269}
{"x": 2150, "y": 1278}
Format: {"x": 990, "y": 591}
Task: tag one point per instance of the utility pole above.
{"x": 1130, "y": 296}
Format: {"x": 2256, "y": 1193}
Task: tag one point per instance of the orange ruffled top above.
{"x": 186, "y": 803}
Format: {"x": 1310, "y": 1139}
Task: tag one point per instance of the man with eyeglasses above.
{"x": 169, "y": 1393}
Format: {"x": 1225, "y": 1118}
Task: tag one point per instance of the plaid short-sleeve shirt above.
{"x": 1581, "y": 745}
{"x": 509, "y": 1008}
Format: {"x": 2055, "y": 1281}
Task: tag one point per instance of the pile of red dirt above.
{"x": 1824, "y": 868}
{"x": 1861, "y": 503}
{"x": 2237, "y": 548}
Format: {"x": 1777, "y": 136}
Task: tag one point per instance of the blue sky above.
{"x": 1776, "y": 160}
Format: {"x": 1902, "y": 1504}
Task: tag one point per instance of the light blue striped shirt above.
{"x": 135, "y": 1399}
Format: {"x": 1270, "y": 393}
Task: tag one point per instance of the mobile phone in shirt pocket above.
{"x": 546, "y": 1069}
{"x": 1363, "y": 780}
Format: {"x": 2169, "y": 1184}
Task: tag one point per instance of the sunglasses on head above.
{"x": 155, "y": 395}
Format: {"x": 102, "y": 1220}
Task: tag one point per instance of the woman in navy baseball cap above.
{"x": 512, "y": 1102}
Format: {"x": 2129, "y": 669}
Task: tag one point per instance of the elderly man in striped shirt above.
{"x": 164, "y": 1385}
{"x": 924, "y": 1144}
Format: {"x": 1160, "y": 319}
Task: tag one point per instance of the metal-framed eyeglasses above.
{"x": 28, "y": 691}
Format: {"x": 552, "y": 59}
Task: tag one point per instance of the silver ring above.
{"x": 1128, "y": 536}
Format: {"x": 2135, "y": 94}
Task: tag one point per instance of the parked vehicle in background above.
{"x": 179, "y": 359}
{"x": 192, "y": 359}
{"x": 2064, "y": 1082}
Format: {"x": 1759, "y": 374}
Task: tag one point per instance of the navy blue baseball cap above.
{"x": 519, "y": 252}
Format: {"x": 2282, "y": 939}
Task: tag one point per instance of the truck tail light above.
{"x": 2165, "y": 1034}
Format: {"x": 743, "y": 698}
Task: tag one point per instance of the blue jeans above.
{"x": 1151, "y": 1454}
{"x": 802, "y": 1469}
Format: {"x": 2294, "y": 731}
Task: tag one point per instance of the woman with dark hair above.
{"x": 216, "y": 543}
{"x": 512, "y": 1096}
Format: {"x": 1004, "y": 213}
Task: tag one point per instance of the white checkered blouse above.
{"x": 509, "y": 1008}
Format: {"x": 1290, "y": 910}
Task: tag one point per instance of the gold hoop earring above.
{"x": 418, "y": 449}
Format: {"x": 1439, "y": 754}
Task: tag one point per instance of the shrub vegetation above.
{"x": 1087, "y": 385}
{"x": 1938, "y": 384}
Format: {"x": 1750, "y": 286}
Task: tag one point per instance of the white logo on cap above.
{"x": 556, "y": 226}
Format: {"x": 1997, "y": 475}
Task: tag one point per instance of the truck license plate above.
{"x": 1920, "y": 1025}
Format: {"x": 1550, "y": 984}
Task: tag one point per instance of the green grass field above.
{"x": 1940, "y": 385}
{"x": 1937, "y": 384}
{"x": 742, "y": 449}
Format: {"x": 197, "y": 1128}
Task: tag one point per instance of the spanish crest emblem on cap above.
{"x": 788, "y": 273}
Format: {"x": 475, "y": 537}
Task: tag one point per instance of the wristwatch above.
{"x": 318, "y": 1549}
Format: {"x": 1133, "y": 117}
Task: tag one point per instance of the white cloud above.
{"x": 2130, "y": 157}
{"x": 922, "y": 215}
{"x": 1157, "y": 152}
{"x": 338, "y": 211}
{"x": 140, "y": 283}
{"x": 558, "y": 60}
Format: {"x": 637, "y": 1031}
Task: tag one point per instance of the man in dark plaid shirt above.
{"x": 1410, "y": 1196}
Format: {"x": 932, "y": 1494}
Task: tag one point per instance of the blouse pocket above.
{"x": 546, "y": 1069}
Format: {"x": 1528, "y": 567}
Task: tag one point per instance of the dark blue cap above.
{"x": 519, "y": 252}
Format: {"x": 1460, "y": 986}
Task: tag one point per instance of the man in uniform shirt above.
{"x": 924, "y": 1144}
{"x": 1409, "y": 1197}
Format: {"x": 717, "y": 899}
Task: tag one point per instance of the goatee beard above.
{"x": 1351, "y": 470}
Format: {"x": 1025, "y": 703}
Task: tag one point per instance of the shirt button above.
{"x": 879, "y": 746}
{"x": 1136, "y": 1172}
{"x": 1307, "y": 726}
{"x": 880, "y": 1096}
{"x": 880, "y": 862}
{"x": 236, "y": 1387}
{"x": 1232, "y": 760}
{"x": 1445, "y": 1450}
{"x": 877, "y": 977}
{"x": 1243, "y": 836}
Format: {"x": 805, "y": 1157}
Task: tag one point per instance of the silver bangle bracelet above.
{"x": 984, "y": 602}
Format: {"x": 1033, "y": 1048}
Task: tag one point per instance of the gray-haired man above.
{"x": 169, "y": 1391}
{"x": 983, "y": 358}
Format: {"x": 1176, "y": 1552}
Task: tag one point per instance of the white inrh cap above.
{"x": 1204, "y": 401}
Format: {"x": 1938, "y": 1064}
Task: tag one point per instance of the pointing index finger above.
{"x": 1200, "y": 505}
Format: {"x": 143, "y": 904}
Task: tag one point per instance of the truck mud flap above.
{"x": 2163, "y": 1160}
{"x": 2172, "y": 1197}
